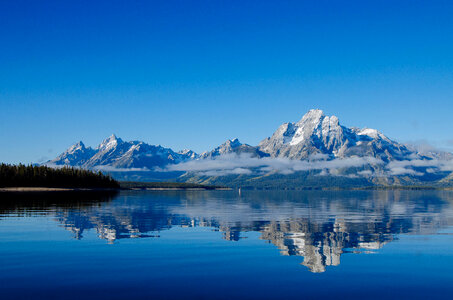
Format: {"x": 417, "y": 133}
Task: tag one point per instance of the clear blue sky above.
{"x": 187, "y": 74}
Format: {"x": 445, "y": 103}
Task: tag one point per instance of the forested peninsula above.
{"x": 45, "y": 177}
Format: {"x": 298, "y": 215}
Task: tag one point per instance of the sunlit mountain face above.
{"x": 318, "y": 226}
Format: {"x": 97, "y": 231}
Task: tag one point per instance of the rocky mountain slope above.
{"x": 234, "y": 147}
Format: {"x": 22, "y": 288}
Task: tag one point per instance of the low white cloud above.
{"x": 114, "y": 169}
{"x": 245, "y": 164}
{"x": 236, "y": 171}
{"x": 406, "y": 167}
{"x": 365, "y": 173}
{"x": 233, "y": 164}
{"x": 404, "y": 171}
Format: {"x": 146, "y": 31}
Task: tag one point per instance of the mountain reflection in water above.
{"x": 319, "y": 226}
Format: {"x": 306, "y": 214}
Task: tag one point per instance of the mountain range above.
{"x": 115, "y": 153}
{"x": 297, "y": 153}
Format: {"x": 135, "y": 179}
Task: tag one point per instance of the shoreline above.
{"x": 57, "y": 189}
{"x": 52, "y": 189}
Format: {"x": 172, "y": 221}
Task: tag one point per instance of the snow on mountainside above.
{"x": 113, "y": 152}
{"x": 76, "y": 155}
{"x": 234, "y": 147}
{"x": 189, "y": 154}
{"x": 317, "y": 133}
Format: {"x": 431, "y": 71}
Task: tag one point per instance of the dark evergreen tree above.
{"x": 42, "y": 176}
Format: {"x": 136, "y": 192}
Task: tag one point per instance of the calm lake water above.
{"x": 222, "y": 245}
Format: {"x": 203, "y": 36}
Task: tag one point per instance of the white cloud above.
{"x": 245, "y": 164}
{"x": 406, "y": 166}
{"x": 114, "y": 169}
{"x": 365, "y": 173}
{"x": 242, "y": 164}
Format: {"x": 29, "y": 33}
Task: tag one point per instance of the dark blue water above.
{"x": 219, "y": 245}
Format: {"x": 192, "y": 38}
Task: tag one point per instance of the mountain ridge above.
{"x": 116, "y": 153}
{"x": 316, "y": 139}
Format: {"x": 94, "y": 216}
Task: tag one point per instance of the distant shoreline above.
{"x": 53, "y": 189}
{"x": 206, "y": 188}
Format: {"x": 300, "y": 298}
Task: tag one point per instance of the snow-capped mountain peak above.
{"x": 76, "y": 147}
{"x": 315, "y": 123}
{"x": 234, "y": 146}
{"x": 313, "y": 116}
{"x": 314, "y": 133}
{"x": 188, "y": 153}
{"x": 74, "y": 155}
{"x": 317, "y": 133}
{"x": 228, "y": 147}
{"x": 109, "y": 142}
{"x": 372, "y": 133}
{"x": 233, "y": 143}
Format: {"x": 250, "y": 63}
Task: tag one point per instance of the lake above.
{"x": 226, "y": 245}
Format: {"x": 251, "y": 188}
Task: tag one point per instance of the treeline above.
{"x": 41, "y": 176}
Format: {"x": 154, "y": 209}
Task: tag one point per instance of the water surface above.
{"x": 222, "y": 245}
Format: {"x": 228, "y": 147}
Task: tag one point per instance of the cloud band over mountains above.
{"x": 233, "y": 164}
{"x": 245, "y": 164}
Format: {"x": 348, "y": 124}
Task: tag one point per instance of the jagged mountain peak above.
{"x": 315, "y": 130}
{"x": 233, "y": 143}
{"x": 312, "y": 115}
{"x": 234, "y": 146}
{"x": 110, "y": 142}
{"x": 185, "y": 151}
{"x": 112, "y": 137}
{"x": 316, "y": 117}
{"x": 188, "y": 153}
{"x": 315, "y": 124}
{"x": 228, "y": 147}
{"x": 77, "y": 146}
{"x": 76, "y": 155}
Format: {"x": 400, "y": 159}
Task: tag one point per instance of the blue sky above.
{"x": 189, "y": 74}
